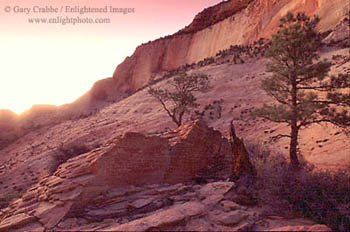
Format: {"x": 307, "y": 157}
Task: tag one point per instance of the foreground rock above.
{"x": 131, "y": 160}
{"x": 139, "y": 183}
{"x": 180, "y": 207}
{"x": 164, "y": 219}
{"x": 176, "y": 157}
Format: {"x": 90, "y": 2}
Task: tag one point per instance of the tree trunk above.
{"x": 294, "y": 128}
{"x": 293, "y": 146}
{"x": 176, "y": 121}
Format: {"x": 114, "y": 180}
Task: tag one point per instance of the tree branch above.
{"x": 278, "y": 137}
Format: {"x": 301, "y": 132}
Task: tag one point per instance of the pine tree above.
{"x": 297, "y": 80}
{"x": 338, "y": 96}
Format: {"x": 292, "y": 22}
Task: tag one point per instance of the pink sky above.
{"x": 55, "y": 64}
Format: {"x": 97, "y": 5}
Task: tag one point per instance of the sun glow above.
{"x": 55, "y": 64}
{"x": 53, "y": 70}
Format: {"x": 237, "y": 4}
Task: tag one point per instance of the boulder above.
{"x": 230, "y": 218}
{"x": 215, "y": 188}
{"x": 163, "y": 219}
{"x": 15, "y": 221}
{"x": 230, "y": 205}
{"x": 193, "y": 148}
{"x": 135, "y": 159}
{"x": 173, "y": 158}
{"x": 302, "y": 228}
{"x": 115, "y": 170}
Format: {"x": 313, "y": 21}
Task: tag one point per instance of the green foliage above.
{"x": 206, "y": 61}
{"x": 256, "y": 49}
{"x": 181, "y": 96}
{"x": 338, "y": 96}
{"x": 298, "y": 77}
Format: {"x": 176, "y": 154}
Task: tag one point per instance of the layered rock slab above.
{"x": 131, "y": 160}
{"x": 134, "y": 160}
{"x": 163, "y": 219}
{"x": 180, "y": 207}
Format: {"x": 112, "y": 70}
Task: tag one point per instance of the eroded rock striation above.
{"x": 180, "y": 207}
{"x": 142, "y": 183}
{"x": 131, "y": 160}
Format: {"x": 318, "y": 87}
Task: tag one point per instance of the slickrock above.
{"x": 217, "y": 188}
{"x": 340, "y": 32}
{"x": 9, "y": 130}
{"x": 231, "y": 218}
{"x": 164, "y": 219}
{"x": 37, "y": 153}
{"x": 302, "y": 228}
{"x": 136, "y": 183}
{"x": 136, "y": 178}
{"x": 230, "y": 205}
{"x": 177, "y": 207}
{"x": 132, "y": 160}
{"x": 15, "y": 221}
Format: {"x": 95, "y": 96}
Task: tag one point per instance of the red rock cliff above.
{"x": 216, "y": 28}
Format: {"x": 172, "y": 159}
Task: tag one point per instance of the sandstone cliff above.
{"x": 215, "y": 29}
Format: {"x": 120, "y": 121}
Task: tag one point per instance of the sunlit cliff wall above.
{"x": 216, "y": 28}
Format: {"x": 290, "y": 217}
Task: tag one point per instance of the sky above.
{"x": 52, "y": 51}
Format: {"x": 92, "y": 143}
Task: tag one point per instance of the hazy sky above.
{"x": 55, "y": 62}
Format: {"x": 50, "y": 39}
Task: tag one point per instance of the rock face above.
{"x": 180, "y": 207}
{"x": 229, "y": 23}
{"x": 132, "y": 160}
{"x": 13, "y": 126}
{"x": 88, "y": 192}
{"x": 150, "y": 160}
{"x": 214, "y": 29}
{"x": 9, "y": 130}
{"x": 141, "y": 183}
{"x": 191, "y": 149}
{"x": 24, "y": 162}
{"x": 139, "y": 158}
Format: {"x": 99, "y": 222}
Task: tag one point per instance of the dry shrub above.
{"x": 66, "y": 151}
{"x": 5, "y": 199}
{"x": 319, "y": 195}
